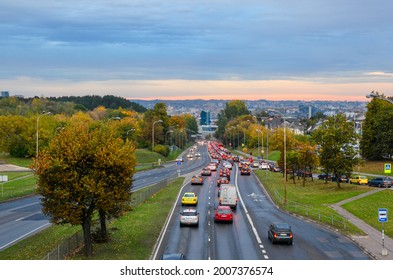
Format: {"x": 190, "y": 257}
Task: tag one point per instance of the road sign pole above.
{"x": 384, "y": 250}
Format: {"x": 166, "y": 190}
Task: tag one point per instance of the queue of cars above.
{"x": 222, "y": 164}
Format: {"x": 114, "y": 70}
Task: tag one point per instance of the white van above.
{"x": 228, "y": 195}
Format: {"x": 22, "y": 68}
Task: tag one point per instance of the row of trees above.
{"x": 333, "y": 146}
{"x": 86, "y": 160}
{"x": 18, "y": 131}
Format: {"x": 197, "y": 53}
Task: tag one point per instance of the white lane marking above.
{"x": 23, "y": 206}
{"x": 250, "y": 220}
{"x": 246, "y": 211}
{"x": 17, "y": 239}
{"x": 17, "y": 220}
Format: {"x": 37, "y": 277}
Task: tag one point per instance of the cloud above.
{"x": 82, "y": 40}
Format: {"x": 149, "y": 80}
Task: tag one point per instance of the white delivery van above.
{"x": 228, "y": 195}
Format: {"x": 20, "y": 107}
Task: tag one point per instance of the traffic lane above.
{"x": 149, "y": 177}
{"x": 311, "y": 241}
{"x": 235, "y": 241}
{"x": 191, "y": 241}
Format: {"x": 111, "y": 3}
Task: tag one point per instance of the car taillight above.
{"x": 275, "y": 235}
{"x": 290, "y": 235}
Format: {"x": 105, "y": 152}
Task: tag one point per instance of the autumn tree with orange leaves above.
{"x": 84, "y": 172}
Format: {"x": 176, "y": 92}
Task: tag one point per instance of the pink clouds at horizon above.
{"x": 199, "y": 89}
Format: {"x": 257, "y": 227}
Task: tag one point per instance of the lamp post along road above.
{"x": 152, "y": 141}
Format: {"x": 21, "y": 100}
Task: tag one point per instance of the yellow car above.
{"x": 189, "y": 198}
{"x": 360, "y": 180}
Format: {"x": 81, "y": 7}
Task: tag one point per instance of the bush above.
{"x": 161, "y": 149}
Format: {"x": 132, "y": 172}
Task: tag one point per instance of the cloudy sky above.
{"x": 186, "y": 49}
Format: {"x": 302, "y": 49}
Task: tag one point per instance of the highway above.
{"x": 247, "y": 238}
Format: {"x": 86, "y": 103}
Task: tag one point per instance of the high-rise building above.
{"x": 205, "y": 118}
{"x": 5, "y": 94}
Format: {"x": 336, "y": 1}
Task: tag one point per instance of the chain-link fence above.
{"x": 313, "y": 213}
{"x": 75, "y": 242}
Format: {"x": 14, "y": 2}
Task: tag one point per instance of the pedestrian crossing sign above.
{"x": 388, "y": 168}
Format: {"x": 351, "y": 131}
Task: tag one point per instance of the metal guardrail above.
{"x": 75, "y": 242}
{"x": 313, "y": 213}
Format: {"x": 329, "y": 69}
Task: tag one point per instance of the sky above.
{"x": 188, "y": 49}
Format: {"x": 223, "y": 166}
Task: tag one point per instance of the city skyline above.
{"x": 276, "y": 50}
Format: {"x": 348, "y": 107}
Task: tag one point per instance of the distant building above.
{"x": 307, "y": 111}
{"x": 205, "y": 118}
{"x": 5, "y": 94}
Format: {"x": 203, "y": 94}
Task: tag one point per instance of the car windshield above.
{"x": 282, "y": 226}
{"x": 224, "y": 211}
{"x": 189, "y": 195}
{"x": 189, "y": 214}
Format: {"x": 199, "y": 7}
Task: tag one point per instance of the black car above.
{"x": 341, "y": 179}
{"x": 245, "y": 171}
{"x": 280, "y": 232}
{"x": 381, "y": 182}
{"x": 325, "y": 176}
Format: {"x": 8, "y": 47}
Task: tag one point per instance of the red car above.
{"x": 223, "y": 214}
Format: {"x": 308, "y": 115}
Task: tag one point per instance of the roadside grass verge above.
{"x": 23, "y": 162}
{"x": 38, "y": 245}
{"x": 312, "y": 200}
{"x": 373, "y": 167}
{"x": 366, "y": 209}
{"x": 133, "y": 236}
{"x": 19, "y": 184}
{"x": 146, "y": 156}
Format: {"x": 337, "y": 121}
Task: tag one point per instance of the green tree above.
{"x": 82, "y": 172}
{"x": 337, "y": 138}
{"x": 376, "y": 141}
{"x": 232, "y": 110}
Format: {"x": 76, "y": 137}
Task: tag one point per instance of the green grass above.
{"x": 19, "y": 184}
{"x": 373, "y": 167}
{"x": 367, "y": 209}
{"x": 37, "y": 246}
{"x": 133, "y": 236}
{"x": 24, "y": 162}
{"x": 313, "y": 199}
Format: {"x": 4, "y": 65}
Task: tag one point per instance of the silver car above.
{"x": 189, "y": 217}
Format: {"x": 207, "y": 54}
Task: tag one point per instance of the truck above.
{"x": 228, "y": 195}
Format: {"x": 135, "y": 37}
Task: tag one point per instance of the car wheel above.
{"x": 290, "y": 242}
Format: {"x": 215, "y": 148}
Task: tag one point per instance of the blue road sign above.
{"x": 382, "y": 215}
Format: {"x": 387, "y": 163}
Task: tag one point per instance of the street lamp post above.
{"x": 285, "y": 163}
{"x": 38, "y": 118}
{"x": 152, "y": 141}
{"x": 379, "y": 96}
{"x": 258, "y": 131}
{"x": 169, "y": 131}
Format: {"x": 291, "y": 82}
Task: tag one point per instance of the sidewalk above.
{"x": 12, "y": 168}
{"x": 372, "y": 241}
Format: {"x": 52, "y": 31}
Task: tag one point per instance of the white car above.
{"x": 212, "y": 167}
{"x": 198, "y": 155}
{"x": 227, "y": 165}
{"x": 264, "y": 166}
{"x": 190, "y": 156}
{"x": 189, "y": 217}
